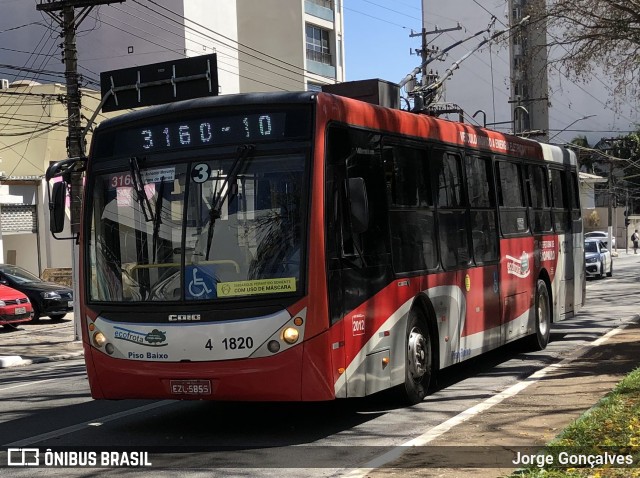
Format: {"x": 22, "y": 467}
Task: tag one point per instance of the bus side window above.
{"x": 576, "y": 213}
{"x": 538, "y": 198}
{"x": 561, "y": 204}
{"x": 356, "y": 154}
{"x": 482, "y": 201}
{"x": 411, "y": 212}
{"x": 513, "y": 214}
{"x": 451, "y": 208}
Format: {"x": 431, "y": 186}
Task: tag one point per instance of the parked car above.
{"x": 603, "y": 236}
{"x": 14, "y": 307}
{"x": 597, "y": 258}
{"x": 47, "y": 298}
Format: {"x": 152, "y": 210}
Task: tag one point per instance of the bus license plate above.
{"x": 20, "y": 310}
{"x": 190, "y": 387}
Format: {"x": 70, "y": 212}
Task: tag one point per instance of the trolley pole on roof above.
{"x": 63, "y": 13}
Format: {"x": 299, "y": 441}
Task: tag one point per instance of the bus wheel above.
{"x": 540, "y": 339}
{"x": 418, "y": 360}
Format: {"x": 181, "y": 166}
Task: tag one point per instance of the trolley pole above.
{"x": 68, "y": 22}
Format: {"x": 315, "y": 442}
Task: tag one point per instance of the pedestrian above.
{"x": 635, "y": 238}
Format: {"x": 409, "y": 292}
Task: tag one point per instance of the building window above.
{"x": 314, "y": 87}
{"x": 318, "y": 45}
{"x": 323, "y": 3}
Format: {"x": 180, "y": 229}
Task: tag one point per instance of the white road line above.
{"x": 83, "y": 426}
{"x": 26, "y": 384}
{"x": 465, "y": 415}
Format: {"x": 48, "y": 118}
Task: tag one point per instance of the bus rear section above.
{"x": 469, "y": 239}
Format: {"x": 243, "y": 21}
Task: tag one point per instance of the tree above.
{"x": 584, "y": 34}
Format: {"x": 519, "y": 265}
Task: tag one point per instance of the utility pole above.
{"x": 63, "y": 13}
{"x": 75, "y": 142}
{"x": 424, "y": 50}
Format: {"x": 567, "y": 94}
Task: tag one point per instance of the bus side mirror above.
{"x": 358, "y": 205}
{"x": 56, "y": 207}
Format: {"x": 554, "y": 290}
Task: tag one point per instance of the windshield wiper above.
{"x": 157, "y": 219}
{"x": 225, "y": 190}
{"x": 138, "y": 186}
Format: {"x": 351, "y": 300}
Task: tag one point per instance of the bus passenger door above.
{"x": 481, "y": 282}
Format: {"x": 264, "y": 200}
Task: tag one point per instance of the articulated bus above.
{"x": 308, "y": 246}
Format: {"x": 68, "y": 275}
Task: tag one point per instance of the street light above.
{"x": 570, "y": 125}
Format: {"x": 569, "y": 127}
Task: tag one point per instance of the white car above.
{"x": 602, "y": 235}
{"x": 597, "y": 258}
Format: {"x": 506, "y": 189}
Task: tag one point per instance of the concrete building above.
{"x": 33, "y": 135}
{"x": 484, "y": 82}
{"x": 261, "y": 46}
{"x": 529, "y": 85}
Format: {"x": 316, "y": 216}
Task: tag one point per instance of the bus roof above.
{"x": 359, "y": 113}
{"x": 270, "y": 98}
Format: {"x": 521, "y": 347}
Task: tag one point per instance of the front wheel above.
{"x": 57, "y": 316}
{"x": 540, "y": 339}
{"x": 418, "y": 360}
{"x": 610, "y": 273}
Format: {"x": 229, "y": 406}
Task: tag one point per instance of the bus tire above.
{"x": 418, "y": 360}
{"x": 540, "y": 339}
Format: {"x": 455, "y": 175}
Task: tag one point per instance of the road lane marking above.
{"x": 469, "y": 413}
{"x": 26, "y": 384}
{"x": 86, "y": 425}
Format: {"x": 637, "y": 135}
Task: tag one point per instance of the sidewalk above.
{"x": 530, "y": 418}
{"x": 37, "y": 342}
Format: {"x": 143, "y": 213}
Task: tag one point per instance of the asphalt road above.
{"x": 48, "y": 405}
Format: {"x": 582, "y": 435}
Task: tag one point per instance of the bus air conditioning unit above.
{"x": 376, "y": 91}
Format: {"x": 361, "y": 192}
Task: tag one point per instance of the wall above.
{"x": 24, "y": 246}
{"x": 276, "y": 28}
{"x": 200, "y": 40}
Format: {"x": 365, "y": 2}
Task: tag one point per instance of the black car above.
{"x": 48, "y": 298}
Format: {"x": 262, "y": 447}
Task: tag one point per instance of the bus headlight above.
{"x": 290, "y": 335}
{"x": 99, "y": 339}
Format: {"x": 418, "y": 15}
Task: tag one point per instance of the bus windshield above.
{"x": 209, "y": 229}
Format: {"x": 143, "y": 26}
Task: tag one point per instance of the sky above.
{"x": 377, "y": 38}
{"x": 378, "y": 43}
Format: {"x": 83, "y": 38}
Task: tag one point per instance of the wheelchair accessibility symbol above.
{"x": 201, "y": 285}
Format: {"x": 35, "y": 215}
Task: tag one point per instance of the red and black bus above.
{"x": 308, "y": 246}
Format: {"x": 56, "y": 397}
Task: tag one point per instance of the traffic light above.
{"x": 627, "y": 221}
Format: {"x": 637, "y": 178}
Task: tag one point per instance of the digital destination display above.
{"x": 215, "y": 130}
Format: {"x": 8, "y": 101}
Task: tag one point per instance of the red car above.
{"x": 15, "y": 307}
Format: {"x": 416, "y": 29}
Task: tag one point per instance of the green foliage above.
{"x": 612, "y": 425}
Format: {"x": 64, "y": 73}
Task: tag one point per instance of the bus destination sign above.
{"x": 213, "y": 131}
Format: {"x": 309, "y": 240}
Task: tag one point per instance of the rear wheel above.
{"x": 56, "y": 316}
{"x": 418, "y": 360}
{"x": 540, "y": 339}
